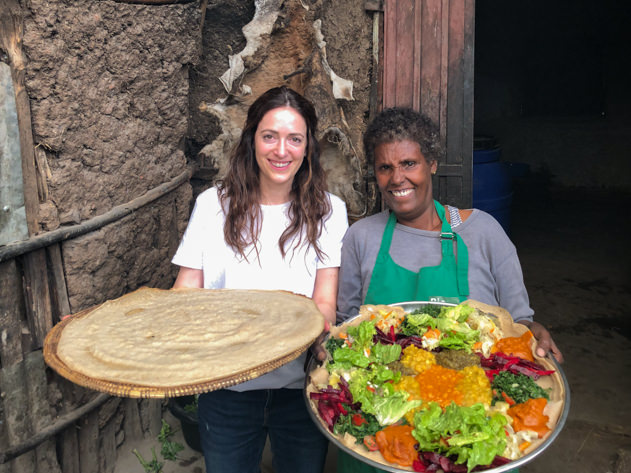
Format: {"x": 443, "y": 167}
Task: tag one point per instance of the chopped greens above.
{"x": 518, "y": 387}
{"x": 333, "y": 344}
{"x": 358, "y": 425}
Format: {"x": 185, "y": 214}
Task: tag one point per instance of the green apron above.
{"x": 390, "y": 283}
{"x": 447, "y": 282}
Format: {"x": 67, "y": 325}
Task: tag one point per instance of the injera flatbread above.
{"x": 157, "y": 343}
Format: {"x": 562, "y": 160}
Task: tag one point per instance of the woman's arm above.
{"x": 325, "y": 292}
{"x": 189, "y": 277}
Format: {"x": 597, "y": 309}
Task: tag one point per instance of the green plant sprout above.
{"x": 153, "y": 466}
{"x": 169, "y": 450}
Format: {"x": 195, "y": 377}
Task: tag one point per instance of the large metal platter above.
{"x": 410, "y": 307}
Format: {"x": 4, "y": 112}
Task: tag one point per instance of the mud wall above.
{"x": 108, "y": 87}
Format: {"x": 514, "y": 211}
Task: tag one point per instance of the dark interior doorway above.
{"x": 551, "y": 85}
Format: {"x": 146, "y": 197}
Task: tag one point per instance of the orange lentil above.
{"x": 438, "y": 384}
{"x": 515, "y": 346}
{"x": 529, "y": 416}
{"x": 397, "y": 445}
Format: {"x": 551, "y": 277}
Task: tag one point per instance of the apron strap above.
{"x": 386, "y": 239}
{"x": 447, "y": 236}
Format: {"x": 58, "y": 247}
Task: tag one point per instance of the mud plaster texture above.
{"x": 578, "y": 278}
{"x": 108, "y": 84}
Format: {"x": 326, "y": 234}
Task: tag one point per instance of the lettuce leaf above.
{"x": 385, "y": 354}
{"x": 417, "y": 324}
{"x": 465, "y": 432}
{"x": 456, "y": 334}
{"x": 390, "y": 409}
{"x": 362, "y": 335}
{"x": 345, "y": 358}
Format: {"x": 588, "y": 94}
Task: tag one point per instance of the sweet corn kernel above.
{"x": 417, "y": 359}
{"x": 474, "y": 386}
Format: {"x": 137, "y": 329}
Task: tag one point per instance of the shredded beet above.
{"x": 431, "y": 462}
{"x": 501, "y": 362}
{"x": 332, "y": 402}
{"x": 383, "y": 338}
{"x": 411, "y": 340}
{"x": 398, "y": 338}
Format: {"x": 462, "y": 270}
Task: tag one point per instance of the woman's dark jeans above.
{"x": 234, "y": 426}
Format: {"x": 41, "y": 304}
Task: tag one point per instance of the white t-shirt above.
{"x": 203, "y": 247}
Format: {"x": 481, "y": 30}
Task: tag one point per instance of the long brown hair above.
{"x": 240, "y": 189}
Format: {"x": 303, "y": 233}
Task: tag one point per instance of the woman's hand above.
{"x": 317, "y": 349}
{"x": 325, "y": 297}
{"x": 545, "y": 343}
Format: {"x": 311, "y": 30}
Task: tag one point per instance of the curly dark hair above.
{"x": 240, "y": 190}
{"x": 398, "y": 124}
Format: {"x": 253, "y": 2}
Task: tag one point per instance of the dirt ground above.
{"x": 577, "y": 266}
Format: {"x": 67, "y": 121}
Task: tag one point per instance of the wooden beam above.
{"x": 11, "y": 310}
{"x": 59, "y": 291}
{"x": 35, "y": 270}
{"x": 11, "y": 30}
{"x": 37, "y": 296}
{"x": 374, "y": 5}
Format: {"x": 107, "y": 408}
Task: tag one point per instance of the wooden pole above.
{"x": 11, "y": 30}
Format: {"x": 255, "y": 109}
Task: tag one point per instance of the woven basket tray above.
{"x": 123, "y": 389}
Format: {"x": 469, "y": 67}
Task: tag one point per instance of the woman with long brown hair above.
{"x": 269, "y": 224}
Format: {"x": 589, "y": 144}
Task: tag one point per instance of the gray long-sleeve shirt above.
{"x": 495, "y": 275}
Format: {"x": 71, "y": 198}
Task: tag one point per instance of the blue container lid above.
{"x": 486, "y": 155}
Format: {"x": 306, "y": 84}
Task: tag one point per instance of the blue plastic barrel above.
{"x": 490, "y": 155}
{"x": 492, "y": 185}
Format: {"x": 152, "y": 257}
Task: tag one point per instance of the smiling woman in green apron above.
{"x": 420, "y": 250}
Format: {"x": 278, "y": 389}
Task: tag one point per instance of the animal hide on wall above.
{"x": 285, "y": 45}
